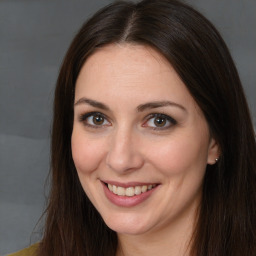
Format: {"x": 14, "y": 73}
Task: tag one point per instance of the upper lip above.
{"x": 128, "y": 184}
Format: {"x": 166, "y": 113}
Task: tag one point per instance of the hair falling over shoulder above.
{"x": 227, "y": 217}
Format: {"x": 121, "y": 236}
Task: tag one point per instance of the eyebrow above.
{"x": 159, "y": 104}
{"x": 140, "y": 108}
{"x": 93, "y": 103}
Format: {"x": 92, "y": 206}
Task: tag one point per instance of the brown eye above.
{"x": 98, "y": 119}
{"x": 94, "y": 119}
{"x": 160, "y": 121}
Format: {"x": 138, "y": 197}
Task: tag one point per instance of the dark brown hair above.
{"x": 227, "y": 216}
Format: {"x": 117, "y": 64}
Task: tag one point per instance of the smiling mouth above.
{"x": 130, "y": 191}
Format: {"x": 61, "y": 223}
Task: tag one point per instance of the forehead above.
{"x": 126, "y": 59}
{"x": 135, "y": 67}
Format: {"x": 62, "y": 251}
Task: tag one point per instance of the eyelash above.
{"x": 167, "y": 118}
{"x": 84, "y": 119}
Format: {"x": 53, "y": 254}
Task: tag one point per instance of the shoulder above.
{"x": 30, "y": 251}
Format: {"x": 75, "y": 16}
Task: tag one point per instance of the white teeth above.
{"x": 137, "y": 190}
{"x": 110, "y": 187}
{"x": 130, "y": 191}
{"x": 120, "y": 191}
{"x": 144, "y": 189}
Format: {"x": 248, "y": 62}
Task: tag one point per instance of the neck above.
{"x": 173, "y": 240}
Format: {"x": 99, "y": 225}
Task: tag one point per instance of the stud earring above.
{"x": 216, "y": 160}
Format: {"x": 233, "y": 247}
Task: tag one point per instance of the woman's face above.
{"x": 138, "y": 131}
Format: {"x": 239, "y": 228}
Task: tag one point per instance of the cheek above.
{"x": 179, "y": 155}
{"x": 87, "y": 154}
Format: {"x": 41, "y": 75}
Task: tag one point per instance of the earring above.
{"x": 216, "y": 160}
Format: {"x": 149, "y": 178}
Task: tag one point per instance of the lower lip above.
{"x": 127, "y": 201}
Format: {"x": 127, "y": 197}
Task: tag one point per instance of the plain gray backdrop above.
{"x": 34, "y": 36}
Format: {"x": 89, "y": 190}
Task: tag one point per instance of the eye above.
{"x": 94, "y": 119}
{"x": 159, "y": 121}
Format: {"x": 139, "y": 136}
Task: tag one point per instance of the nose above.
{"x": 124, "y": 152}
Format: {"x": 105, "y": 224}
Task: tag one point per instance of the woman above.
{"x": 153, "y": 148}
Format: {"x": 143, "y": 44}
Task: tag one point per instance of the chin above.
{"x": 130, "y": 225}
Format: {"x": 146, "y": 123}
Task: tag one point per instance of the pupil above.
{"x": 159, "y": 121}
{"x": 98, "y": 120}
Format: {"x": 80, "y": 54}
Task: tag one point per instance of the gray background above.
{"x": 34, "y": 35}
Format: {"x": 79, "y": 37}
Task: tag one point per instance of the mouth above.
{"x": 129, "y": 191}
{"x": 128, "y": 194}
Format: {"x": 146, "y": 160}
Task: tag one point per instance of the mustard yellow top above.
{"x": 30, "y": 251}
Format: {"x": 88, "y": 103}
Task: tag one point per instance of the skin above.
{"x": 129, "y": 147}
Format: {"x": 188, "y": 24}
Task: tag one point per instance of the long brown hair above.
{"x": 227, "y": 217}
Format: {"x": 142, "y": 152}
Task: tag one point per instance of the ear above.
{"x": 213, "y": 152}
